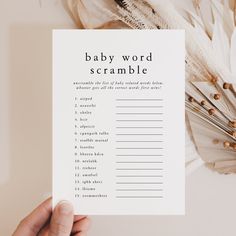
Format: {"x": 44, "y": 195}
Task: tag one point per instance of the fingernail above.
{"x": 65, "y": 207}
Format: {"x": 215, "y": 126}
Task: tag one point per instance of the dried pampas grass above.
{"x": 210, "y": 61}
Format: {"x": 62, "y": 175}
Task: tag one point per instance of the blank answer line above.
{"x": 139, "y": 120}
{"x": 142, "y": 155}
{"x": 157, "y": 127}
{"x": 139, "y": 176}
{"x": 141, "y": 134}
{"x": 128, "y": 190}
{"x": 139, "y": 182}
{"x": 137, "y": 141}
{"x": 128, "y": 148}
{"x": 139, "y": 168}
{"x": 154, "y": 113}
{"x": 143, "y": 162}
{"x": 139, "y": 99}
{"x": 139, "y": 106}
{"x": 139, "y": 196}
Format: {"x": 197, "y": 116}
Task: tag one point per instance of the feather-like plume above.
{"x": 210, "y": 62}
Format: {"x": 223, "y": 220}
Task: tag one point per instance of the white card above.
{"x": 118, "y": 121}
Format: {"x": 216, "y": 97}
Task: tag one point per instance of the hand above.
{"x": 61, "y": 222}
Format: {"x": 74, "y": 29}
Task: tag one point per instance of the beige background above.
{"x": 25, "y": 137}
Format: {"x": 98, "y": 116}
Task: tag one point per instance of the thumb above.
{"x": 62, "y": 220}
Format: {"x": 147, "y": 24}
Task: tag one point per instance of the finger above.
{"x": 44, "y": 231}
{"x": 62, "y": 220}
{"x": 78, "y": 217}
{"x": 80, "y": 234}
{"x": 81, "y": 226}
{"x": 32, "y": 224}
